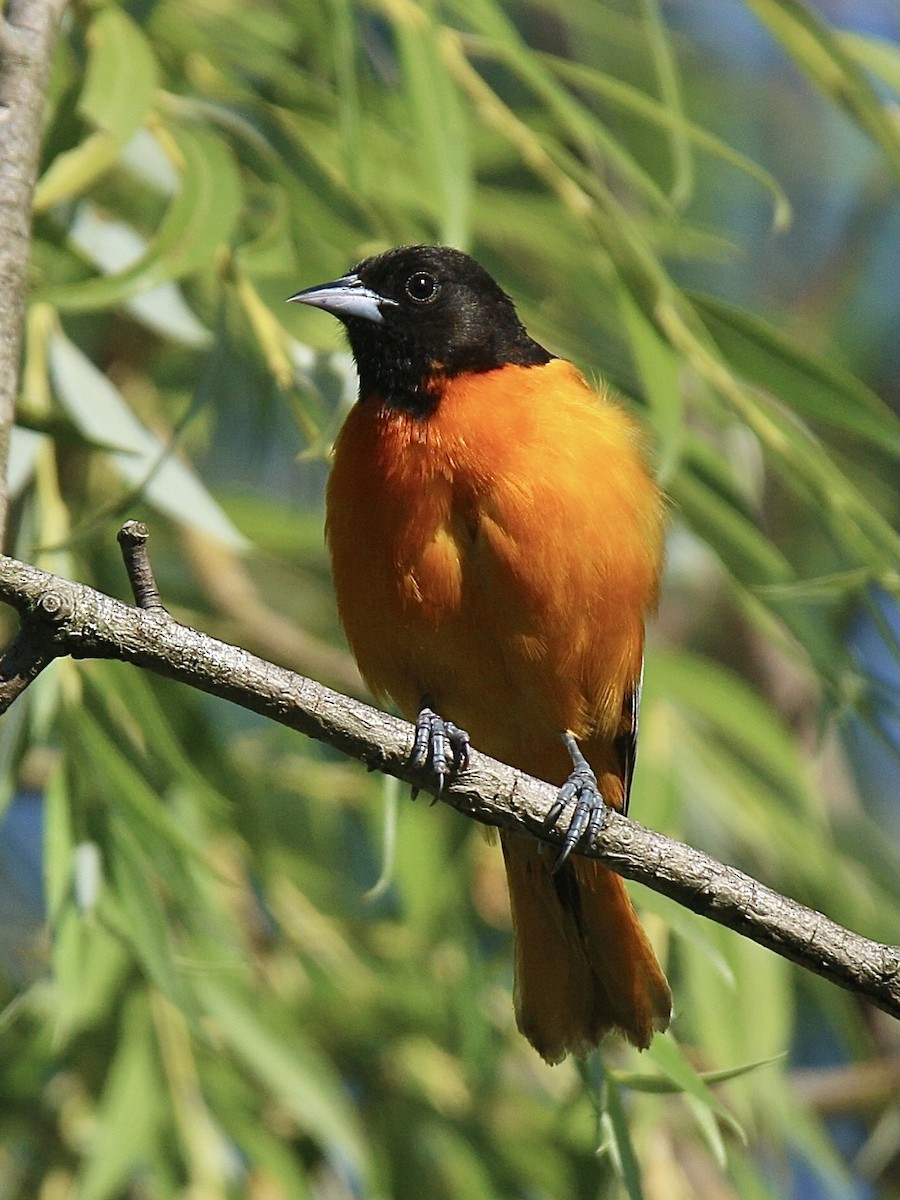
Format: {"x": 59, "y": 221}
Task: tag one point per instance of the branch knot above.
{"x": 56, "y": 606}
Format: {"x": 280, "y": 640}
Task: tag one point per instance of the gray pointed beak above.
{"x": 345, "y": 297}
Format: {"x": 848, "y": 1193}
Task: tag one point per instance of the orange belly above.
{"x": 485, "y": 559}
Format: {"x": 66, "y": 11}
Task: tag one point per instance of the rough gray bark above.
{"x": 60, "y": 617}
{"x": 27, "y": 32}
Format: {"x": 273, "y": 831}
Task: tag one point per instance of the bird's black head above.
{"x": 418, "y": 315}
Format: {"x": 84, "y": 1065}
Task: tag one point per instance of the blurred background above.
{"x": 232, "y": 964}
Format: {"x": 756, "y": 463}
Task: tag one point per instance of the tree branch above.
{"x": 60, "y": 617}
{"x": 27, "y": 32}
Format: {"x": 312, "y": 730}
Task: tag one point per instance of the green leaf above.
{"x": 874, "y": 54}
{"x": 140, "y": 806}
{"x": 130, "y": 1111}
{"x": 24, "y": 447}
{"x": 724, "y": 703}
{"x": 661, "y": 1084}
{"x": 617, "y": 1143}
{"x": 659, "y": 370}
{"x": 390, "y": 790}
{"x": 437, "y": 118}
{"x": 632, "y": 100}
{"x": 704, "y": 493}
{"x": 824, "y": 588}
{"x": 101, "y": 412}
{"x": 300, "y": 1079}
{"x": 121, "y": 74}
{"x": 119, "y": 88}
{"x": 88, "y": 964}
{"x": 820, "y": 53}
{"x": 814, "y": 387}
{"x": 59, "y": 843}
{"x": 502, "y": 41}
{"x": 133, "y": 908}
{"x": 200, "y": 219}
{"x": 670, "y": 90}
{"x": 666, "y": 1054}
{"x": 114, "y": 246}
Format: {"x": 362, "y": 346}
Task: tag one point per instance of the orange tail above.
{"x": 584, "y": 966}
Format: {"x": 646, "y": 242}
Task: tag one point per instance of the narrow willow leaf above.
{"x": 459, "y": 1167}
{"x": 818, "y": 51}
{"x": 199, "y": 220}
{"x": 641, "y": 1081}
{"x": 709, "y": 1129}
{"x": 107, "y": 688}
{"x": 100, "y": 411}
{"x": 659, "y": 370}
{"x": 501, "y": 40}
{"x": 300, "y": 1079}
{"x": 668, "y": 1056}
{"x": 286, "y": 149}
{"x": 24, "y": 446}
{"x": 348, "y": 90}
{"x": 134, "y": 907}
{"x": 630, "y": 99}
{"x": 121, "y": 74}
{"x": 124, "y": 1133}
{"x": 390, "y": 790}
{"x": 440, "y": 127}
{"x": 873, "y": 54}
{"x": 139, "y": 804}
{"x": 119, "y": 88}
{"x": 818, "y": 389}
{"x": 88, "y": 965}
{"x": 804, "y": 465}
{"x": 616, "y": 1131}
{"x": 837, "y": 586}
{"x": 114, "y": 246}
{"x": 727, "y": 528}
{"x": 670, "y": 90}
{"x": 59, "y": 843}
{"x": 726, "y": 704}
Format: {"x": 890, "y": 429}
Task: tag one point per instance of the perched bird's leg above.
{"x": 590, "y": 807}
{"x": 439, "y": 745}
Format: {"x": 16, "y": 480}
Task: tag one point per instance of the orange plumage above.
{"x": 495, "y": 546}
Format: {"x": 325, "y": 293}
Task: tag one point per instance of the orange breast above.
{"x": 499, "y": 557}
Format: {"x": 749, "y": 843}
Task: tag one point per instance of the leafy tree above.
{"x": 263, "y": 974}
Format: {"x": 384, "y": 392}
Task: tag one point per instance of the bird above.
{"x": 496, "y": 542}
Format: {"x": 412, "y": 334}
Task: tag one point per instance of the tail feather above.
{"x": 584, "y": 966}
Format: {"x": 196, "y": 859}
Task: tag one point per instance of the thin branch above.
{"x": 88, "y": 624}
{"x": 133, "y": 538}
{"x": 23, "y": 660}
{"x": 27, "y": 33}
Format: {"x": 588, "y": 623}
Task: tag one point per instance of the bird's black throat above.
{"x": 406, "y": 371}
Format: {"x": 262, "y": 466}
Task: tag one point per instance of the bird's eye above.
{"x": 422, "y": 287}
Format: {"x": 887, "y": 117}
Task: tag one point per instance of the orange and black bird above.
{"x": 496, "y": 542}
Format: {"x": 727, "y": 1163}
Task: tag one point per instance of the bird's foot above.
{"x": 440, "y": 746}
{"x": 590, "y": 808}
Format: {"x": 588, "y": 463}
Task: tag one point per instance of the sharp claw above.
{"x": 440, "y": 746}
{"x": 554, "y": 814}
{"x": 574, "y": 832}
{"x": 458, "y": 741}
{"x": 564, "y": 854}
{"x": 589, "y": 810}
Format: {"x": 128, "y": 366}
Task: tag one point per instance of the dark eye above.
{"x": 422, "y": 287}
